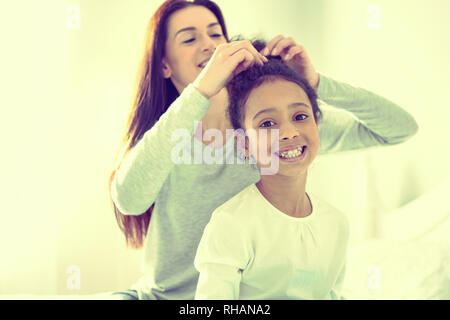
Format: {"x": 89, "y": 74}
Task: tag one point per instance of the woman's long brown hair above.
{"x": 154, "y": 94}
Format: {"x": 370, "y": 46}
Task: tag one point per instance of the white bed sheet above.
{"x": 398, "y": 270}
{"x": 98, "y": 296}
{"x": 411, "y": 259}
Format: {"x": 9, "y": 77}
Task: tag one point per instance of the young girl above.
{"x": 187, "y": 62}
{"x": 274, "y": 240}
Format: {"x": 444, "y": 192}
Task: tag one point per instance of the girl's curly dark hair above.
{"x": 241, "y": 85}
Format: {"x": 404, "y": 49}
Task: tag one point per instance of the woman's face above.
{"x": 193, "y": 35}
{"x": 282, "y": 107}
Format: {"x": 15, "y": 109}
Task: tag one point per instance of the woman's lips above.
{"x": 203, "y": 64}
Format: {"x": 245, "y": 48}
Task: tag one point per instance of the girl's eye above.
{"x": 189, "y": 40}
{"x": 301, "y": 116}
{"x": 216, "y": 35}
{"x": 267, "y": 124}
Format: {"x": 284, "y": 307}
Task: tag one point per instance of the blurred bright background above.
{"x": 67, "y": 74}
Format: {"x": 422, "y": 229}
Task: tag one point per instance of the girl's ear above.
{"x": 247, "y": 148}
{"x": 167, "y": 72}
{"x": 242, "y": 143}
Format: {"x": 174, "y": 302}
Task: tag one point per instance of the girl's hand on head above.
{"x": 295, "y": 56}
{"x": 228, "y": 60}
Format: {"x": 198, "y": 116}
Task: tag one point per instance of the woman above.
{"x": 187, "y": 63}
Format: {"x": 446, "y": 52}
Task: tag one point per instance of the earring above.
{"x": 241, "y": 156}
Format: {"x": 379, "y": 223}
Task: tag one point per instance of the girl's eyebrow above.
{"x": 193, "y": 28}
{"x": 292, "y": 105}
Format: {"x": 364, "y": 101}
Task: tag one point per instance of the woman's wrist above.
{"x": 198, "y": 86}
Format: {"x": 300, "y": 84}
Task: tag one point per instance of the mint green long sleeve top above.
{"x": 185, "y": 194}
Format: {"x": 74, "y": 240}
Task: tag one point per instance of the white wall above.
{"x": 404, "y": 58}
{"x": 33, "y": 70}
{"x": 66, "y": 93}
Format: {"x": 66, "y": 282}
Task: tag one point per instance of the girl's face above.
{"x": 283, "y": 106}
{"x": 193, "y": 35}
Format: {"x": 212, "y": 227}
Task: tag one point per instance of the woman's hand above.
{"x": 294, "y": 56}
{"x": 228, "y": 60}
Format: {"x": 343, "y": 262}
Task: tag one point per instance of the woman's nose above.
{"x": 208, "y": 44}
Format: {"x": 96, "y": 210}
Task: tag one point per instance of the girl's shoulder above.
{"x": 328, "y": 211}
{"x": 239, "y": 206}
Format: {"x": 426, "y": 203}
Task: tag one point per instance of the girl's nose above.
{"x": 288, "y": 131}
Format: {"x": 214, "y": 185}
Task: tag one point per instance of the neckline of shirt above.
{"x": 283, "y": 215}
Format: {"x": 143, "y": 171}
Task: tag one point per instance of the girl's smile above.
{"x": 292, "y": 154}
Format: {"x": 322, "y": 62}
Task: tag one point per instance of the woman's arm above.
{"x": 222, "y": 255}
{"x": 144, "y": 170}
{"x": 360, "y": 119}
{"x": 147, "y": 165}
{"x": 372, "y": 121}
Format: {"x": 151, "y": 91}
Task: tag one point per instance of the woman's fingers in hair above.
{"x": 295, "y": 51}
{"x": 242, "y": 60}
{"x": 279, "y": 45}
{"x": 295, "y": 57}
{"x": 270, "y": 45}
{"x": 247, "y": 45}
{"x": 228, "y": 60}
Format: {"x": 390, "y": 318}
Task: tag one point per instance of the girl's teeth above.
{"x": 292, "y": 153}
